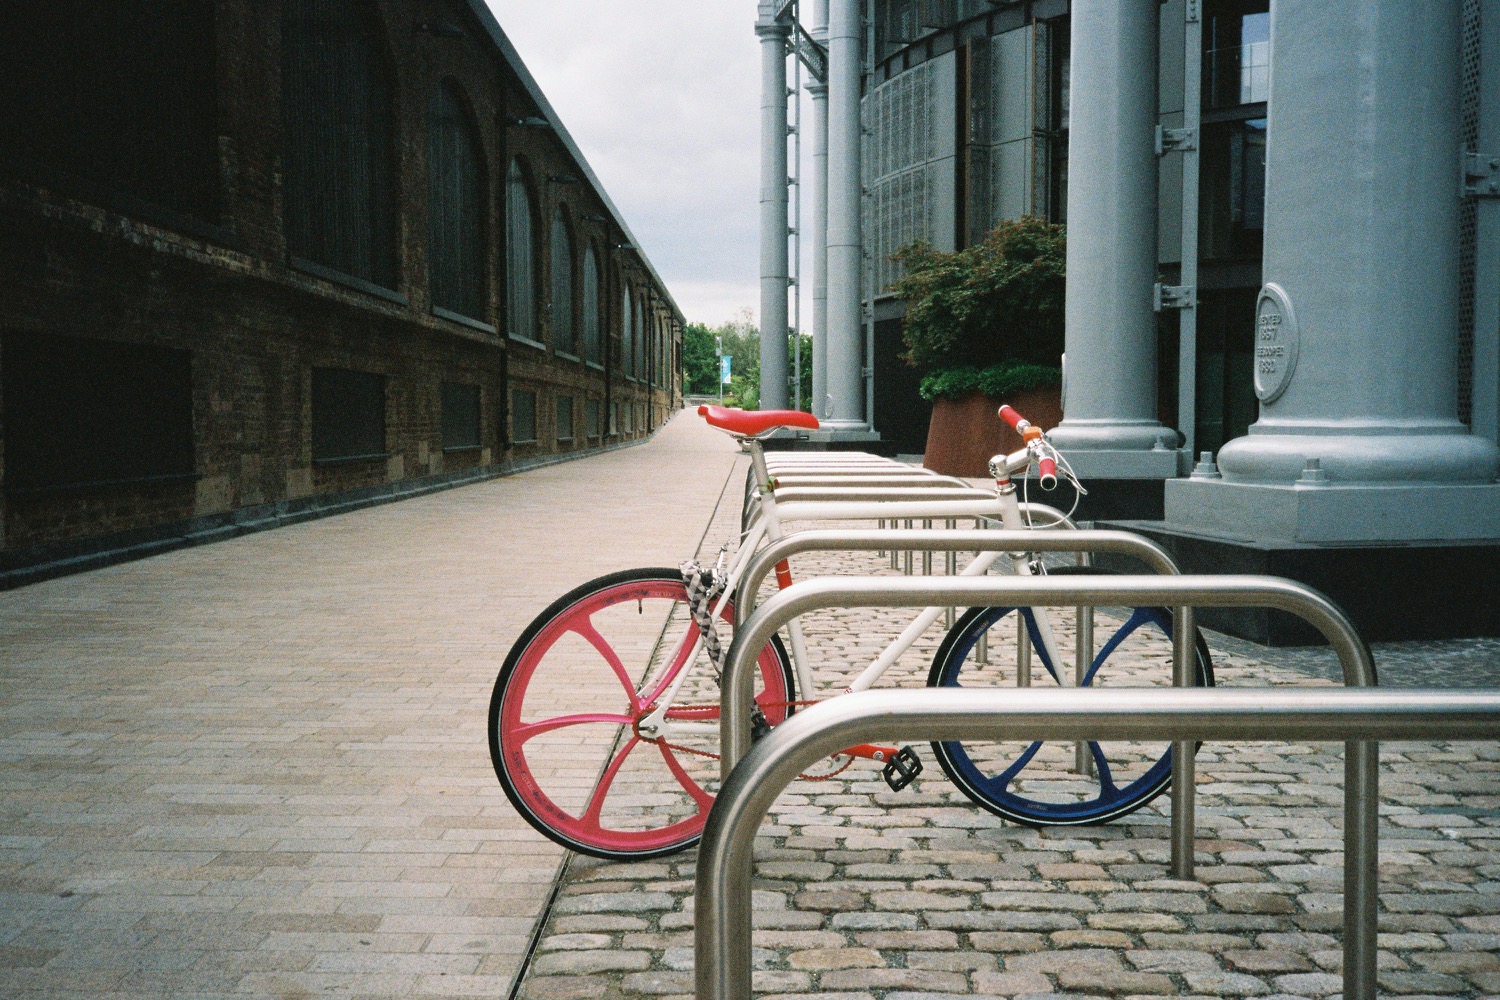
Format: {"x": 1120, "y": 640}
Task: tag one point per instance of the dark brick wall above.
{"x": 78, "y": 262}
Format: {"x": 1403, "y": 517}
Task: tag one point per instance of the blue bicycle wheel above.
{"x": 1041, "y": 784}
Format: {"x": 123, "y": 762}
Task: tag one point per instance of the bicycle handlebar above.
{"x": 1047, "y": 470}
{"x": 1032, "y": 435}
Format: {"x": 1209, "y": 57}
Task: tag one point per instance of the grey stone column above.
{"x": 1109, "y": 426}
{"x": 1357, "y": 324}
{"x": 845, "y": 330}
{"x": 818, "y": 405}
{"x": 774, "y": 270}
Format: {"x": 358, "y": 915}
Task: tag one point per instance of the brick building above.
{"x": 264, "y": 261}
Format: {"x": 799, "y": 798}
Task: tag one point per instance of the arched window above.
{"x": 520, "y": 257}
{"x": 339, "y": 179}
{"x": 455, "y": 207}
{"x": 651, "y": 343}
{"x": 593, "y": 343}
{"x": 638, "y": 362}
{"x": 627, "y": 325}
{"x": 562, "y": 285}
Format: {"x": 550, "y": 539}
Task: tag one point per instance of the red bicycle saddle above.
{"x": 752, "y": 422}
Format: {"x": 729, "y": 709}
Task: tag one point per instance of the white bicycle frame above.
{"x": 1003, "y": 506}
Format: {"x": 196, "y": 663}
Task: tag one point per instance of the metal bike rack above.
{"x": 878, "y": 494}
{"x": 1182, "y": 593}
{"x": 943, "y": 540}
{"x": 803, "y": 480}
{"x": 722, "y": 911}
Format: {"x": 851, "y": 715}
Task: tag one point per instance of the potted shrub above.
{"x": 985, "y": 325}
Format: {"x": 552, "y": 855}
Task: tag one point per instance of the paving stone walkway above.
{"x": 257, "y": 769}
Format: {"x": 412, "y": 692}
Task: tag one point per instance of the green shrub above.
{"x": 998, "y": 381}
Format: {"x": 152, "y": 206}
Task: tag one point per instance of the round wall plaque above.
{"x": 1276, "y": 342}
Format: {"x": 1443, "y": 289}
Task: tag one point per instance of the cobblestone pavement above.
{"x": 258, "y": 768}
{"x": 864, "y": 893}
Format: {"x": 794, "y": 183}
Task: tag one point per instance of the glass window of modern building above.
{"x": 1231, "y": 220}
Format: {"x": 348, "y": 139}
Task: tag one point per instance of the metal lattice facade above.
{"x": 900, "y": 153}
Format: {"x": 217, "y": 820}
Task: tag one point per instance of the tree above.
{"x": 700, "y": 361}
{"x": 741, "y": 341}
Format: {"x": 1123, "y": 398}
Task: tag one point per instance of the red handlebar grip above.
{"x": 1048, "y": 469}
{"x": 1011, "y": 417}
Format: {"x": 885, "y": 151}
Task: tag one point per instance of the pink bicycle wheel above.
{"x": 564, "y": 714}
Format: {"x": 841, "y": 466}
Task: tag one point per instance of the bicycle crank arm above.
{"x": 871, "y": 751}
{"x": 902, "y": 765}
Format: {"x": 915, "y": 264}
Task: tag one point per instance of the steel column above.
{"x": 819, "y": 91}
{"x": 845, "y": 355}
{"x": 774, "y": 270}
{"x": 1361, "y": 253}
{"x": 1112, "y": 215}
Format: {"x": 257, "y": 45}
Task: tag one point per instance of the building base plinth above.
{"x": 1121, "y": 463}
{"x": 1391, "y": 591}
{"x": 1335, "y": 514}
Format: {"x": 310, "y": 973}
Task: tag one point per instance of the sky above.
{"x": 663, "y": 98}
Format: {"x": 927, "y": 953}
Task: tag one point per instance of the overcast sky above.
{"x": 663, "y": 98}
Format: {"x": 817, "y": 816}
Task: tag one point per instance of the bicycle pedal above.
{"x": 902, "y": 769}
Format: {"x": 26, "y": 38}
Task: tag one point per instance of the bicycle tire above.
{"x": 586, "y": 786}
{"x": 1035, "y": 787}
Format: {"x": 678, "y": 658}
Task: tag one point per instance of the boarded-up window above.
{"x": 455, "y": 207}
{"x": 565, "y": 418}
{"x": 337, "y": 156}
{"x": 348, "y": 415}
{"x": 460, "y": 416}
{"x": 593, "y": 341}
{"x": 627, "y": 332}
{"x": 520, "y": 257}
{"x": 79, "y": 412}
{"x": 562, "y": 285}
{"x": 119, "y": 97}
{"x": 522, "y": 416}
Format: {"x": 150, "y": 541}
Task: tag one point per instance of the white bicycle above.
{"x": 603, "y": 724}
